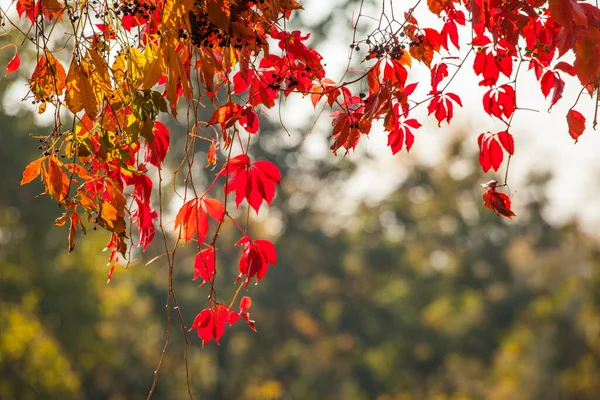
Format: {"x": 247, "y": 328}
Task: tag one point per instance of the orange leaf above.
{"x": 32, "y": 171}
{"x": 219, "y": 13}
{"x": 58, "y": 181}
{"x": 78, "y": 170}
{"x": 212, "y": 154}
{"x": 437, "y": 6}
{"x": 60, "y": 221}
{"x": 48, "y": 78}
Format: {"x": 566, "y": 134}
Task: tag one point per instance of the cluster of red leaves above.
{"x": 241, "y": 47}
{"x": 211, "y": 322}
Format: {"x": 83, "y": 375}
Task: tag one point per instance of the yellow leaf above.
{"x": 137, "y": 64}
{"x": 73, "y": 86}
{"x": 101, "y": 81}
{"x": 60, "y": 221}
{"x": 85, "y": 87}
{"x": 155, "y": 69}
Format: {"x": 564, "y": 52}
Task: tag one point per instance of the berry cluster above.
{"x": 139, "y": 8}
{"x": 417, "y": 41}
{"x": 203, "y": 33}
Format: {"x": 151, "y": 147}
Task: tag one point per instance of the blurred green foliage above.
{"x": 424, "y": 296}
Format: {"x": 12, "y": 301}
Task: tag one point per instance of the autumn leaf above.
{"x": 496, "y": 201}
{"x": 14, "y": 63}
{"x": 442, "y": 107}
{"x": 576, "y": 122}
{"x": 255, "y": 259}
{"x": 253, "y": 181}
{"x": 74, "y": 220}
{"x": 230, "y": 113}
{"x": 490, "y": 149}
{"x": 211, "y": 157}
{"x": 210, "y": 323}
{"x": 437, "y": 6}
{"x": 80, "y": 93}
{"x": 48, "y": 78}
{"x": 55, "y": 180}
{"x": 245, "y": 305}
{"x": 219, "y": 13}
{"x": 204, "y": 265}
{"x": 157, "y": 144}
{"x": 507, "y": 141}
{"x": 193, "y": 220}
{"x": 500, "y": 102}
{"x": 32, "y": 171}
{"x": 60, "y": 221}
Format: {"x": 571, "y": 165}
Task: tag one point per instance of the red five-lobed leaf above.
{"x": 253, "y": 181}
{"x": 255, "y": 259}
{"x": 442, "y": 107}
{"x": 210, "y": 323}
{"x": 500, "y": 102}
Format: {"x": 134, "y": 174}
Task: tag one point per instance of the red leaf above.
{"x": 204, "y": 265}
{"x": 449, "y": 31}
{"x": 210, "y": 323}
{"x": 500, "y": 102}
{"x": 255, "y": 259}
{"x": 496, "y": 154}
{"x": 565, "y": 67}
{"x": 498, "y": 202}
{"x": 547, "y": 83}
{"x": 442, "y": 107}
{"x": 507, "y": 141}
{"x": 438, "y": 72}
{"x": 576, "y": 123}
{"x": 249, "y": 120}
{"x": 245, "y": 303}
{"x": 158, "y": 144}
{"x": 484, "y": 157}
{"x": 254, "y": 182}
{"x": 13, "y": 64}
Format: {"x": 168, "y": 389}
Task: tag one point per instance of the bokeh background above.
{"x": 392, "y": 283}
